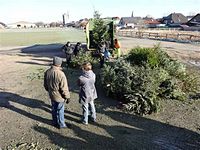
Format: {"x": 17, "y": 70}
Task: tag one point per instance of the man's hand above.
{"x": 67, "y": 100}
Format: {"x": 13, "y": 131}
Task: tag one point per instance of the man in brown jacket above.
{"x": 55, "y": 82}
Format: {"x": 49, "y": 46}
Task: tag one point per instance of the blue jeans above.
{"x": 89, "y": 109}
{"x": 58, "y": 113}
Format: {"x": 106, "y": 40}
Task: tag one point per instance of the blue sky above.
{"x": 52, "y": 10}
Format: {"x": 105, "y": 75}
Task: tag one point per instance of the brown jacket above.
{"x": 55, "y": 82}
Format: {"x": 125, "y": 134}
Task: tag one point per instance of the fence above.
{"x": 164, "y": 36}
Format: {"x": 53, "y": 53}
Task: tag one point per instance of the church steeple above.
{"x": 132, "y": 14}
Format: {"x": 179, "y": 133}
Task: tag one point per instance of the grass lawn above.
{"x": 26, "y": 37}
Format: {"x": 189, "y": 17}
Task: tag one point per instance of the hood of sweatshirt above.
{"x": 88, "y": 74}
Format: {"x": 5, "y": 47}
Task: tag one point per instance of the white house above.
{"x": 131, "y": 22}
{"x": 22, "y": 24}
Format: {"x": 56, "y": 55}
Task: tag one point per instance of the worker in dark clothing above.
{"x": 77, "y": 48}
{"x": 68, "y": 52}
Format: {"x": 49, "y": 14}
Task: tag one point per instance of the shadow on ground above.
{"x": 44, "y": 50}
{"x": 121, "y": 131}
{"x": 10, "y": 101}
{"x": 150, "y": 134}
{"x": 47, "y": 50}
{"x": 130, "y": 132}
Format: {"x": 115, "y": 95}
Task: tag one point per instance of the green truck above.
{"x": 89, "y": 33}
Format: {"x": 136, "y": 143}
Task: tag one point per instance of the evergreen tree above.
{"x": 100, "y": 29}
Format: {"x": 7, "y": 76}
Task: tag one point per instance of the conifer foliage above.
{"x": 144, "y": 77}
{"x": 100, "y": 29}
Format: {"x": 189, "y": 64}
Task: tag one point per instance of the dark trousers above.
{"x": 68, "y": 58}
{"x": 101, "y": 61}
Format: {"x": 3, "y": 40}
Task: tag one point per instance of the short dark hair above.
{"x": 68, "y": 43}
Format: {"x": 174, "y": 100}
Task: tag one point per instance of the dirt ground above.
{"x": 25, "y": 108}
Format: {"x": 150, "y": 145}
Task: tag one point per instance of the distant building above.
{"x": 2, "y": 25}
{"x": 116, "y": 20}
{"x": 41, "y": 25}
{"x": 189, "y": 17}
{"x": 193, "y": 24}
{"x": 81, "y": 23}
{"x": 195, "y": 21}
{"x": 22, "y": 24}
{"x": 131, "y": 22}
{"x": 151, "y": 23}
{"x": 175, "y": 19}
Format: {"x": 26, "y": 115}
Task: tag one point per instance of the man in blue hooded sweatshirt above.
{"x": 87, "y": 93}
